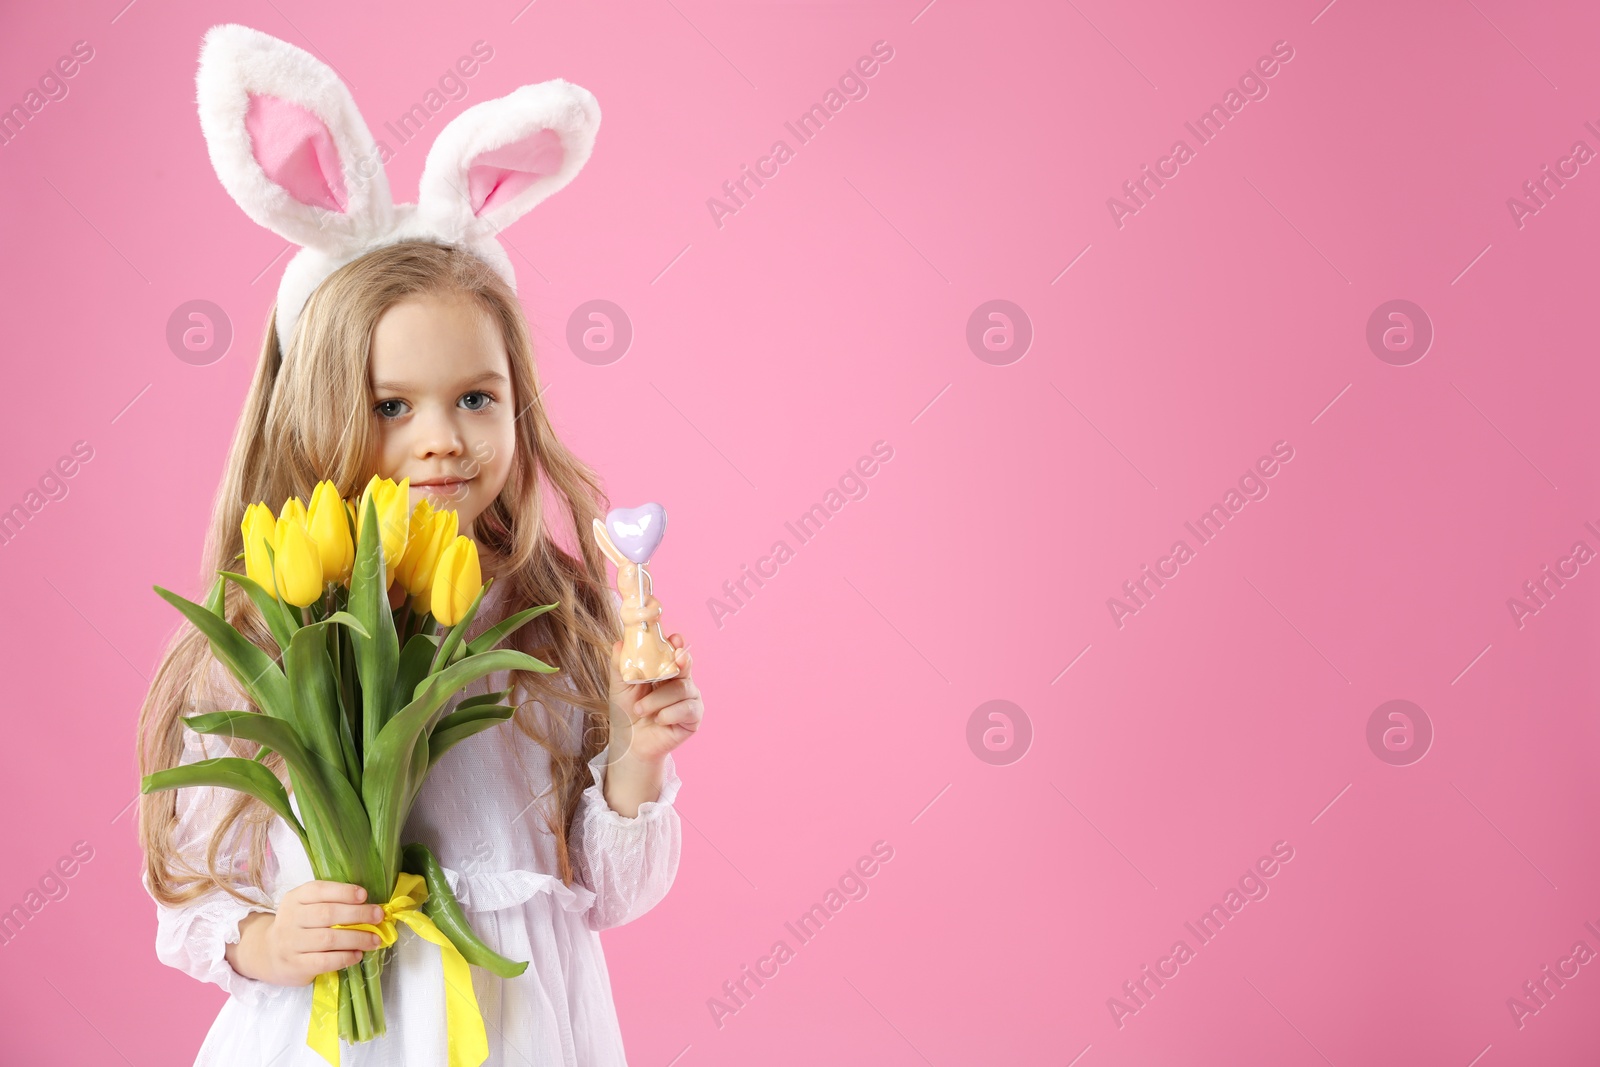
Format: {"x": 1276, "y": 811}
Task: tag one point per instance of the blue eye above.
{"x": 382, "y": 409}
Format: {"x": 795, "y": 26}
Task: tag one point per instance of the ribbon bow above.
{"x": 468, "y": 1045}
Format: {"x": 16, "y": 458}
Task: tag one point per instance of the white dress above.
{"x": 500, "y": 858}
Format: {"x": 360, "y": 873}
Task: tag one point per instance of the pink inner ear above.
{"x": 296, "y": 150}
{"x": 501, "y": 173}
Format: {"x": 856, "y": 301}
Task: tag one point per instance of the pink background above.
{"x": 830, "y": 313}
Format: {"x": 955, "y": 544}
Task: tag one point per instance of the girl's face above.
{"x": 443, "y": 409}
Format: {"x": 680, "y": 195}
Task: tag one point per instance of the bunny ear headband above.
{"x": 290, "y": 146}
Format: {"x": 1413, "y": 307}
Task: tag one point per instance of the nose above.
{"x": 437, "y": 435}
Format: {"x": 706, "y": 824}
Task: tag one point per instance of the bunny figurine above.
{"x": 629, "y": 537}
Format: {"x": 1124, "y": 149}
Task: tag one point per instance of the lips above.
{"x": 448, "y": 487}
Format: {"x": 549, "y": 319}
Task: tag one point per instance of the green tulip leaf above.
{"x": 376, "y": 645}
{"x": 415, "y": 776}
{"x": 414, "y": 665}
{"x": 446, "y": 913}
{"x": 344, "y": 618}
{"x": 447, "y": 651}
{"x": 389, "y": 775}
{"x": 458, "y": 726}
{"x": 258, "y": 673}
{"x": 335, "y": 819}
{"x": 481, "y": 698}
{"x": 494, "y": 634}
{"x": 217, "y": 601}
{"x": 266, "y": 731}
{"x": 230, "y": 772}
{"x": 472, "y": 713}
{"x": 315, "y": 692}
{"x": 270, "y": 609}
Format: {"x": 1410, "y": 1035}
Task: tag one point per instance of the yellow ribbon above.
{"x": 467, "y": 1043}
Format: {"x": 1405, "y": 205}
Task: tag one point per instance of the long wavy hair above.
{"x": 308, "y": 417}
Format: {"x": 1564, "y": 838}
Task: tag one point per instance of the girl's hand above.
{"x": 650, "y": 720}
{"x": 297, "y": 943}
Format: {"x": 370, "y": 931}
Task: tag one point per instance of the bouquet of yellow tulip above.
{"x": 354, "y": 704}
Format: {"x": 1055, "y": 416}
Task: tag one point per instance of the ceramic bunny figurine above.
{"x": 629, "y": 537}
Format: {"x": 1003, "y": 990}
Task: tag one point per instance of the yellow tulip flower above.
{"x": 416, "y": 531}
{"x": 294, "y": 507}
{"x": 259, "y": 529}
{"x": 394, "y": 519}
{"x": 298, "y": 564}
{"x": 431, "y": 532}
{"x": 421, "y": 515}
{"x": 456, "y": 581}
{"x": 325, "y": 521}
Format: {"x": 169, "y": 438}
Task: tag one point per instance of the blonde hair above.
{"x": 307, "y": 418}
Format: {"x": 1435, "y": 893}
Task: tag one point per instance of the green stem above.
{"x": 338, "y": 638}
{"x": 359, "y": 1008}
{"x": 345, "y": 725}
{"x": 372, "y": 966}
{"x": 347, "y": 681}
{"x": 347, "y": 1022}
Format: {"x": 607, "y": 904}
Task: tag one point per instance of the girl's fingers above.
{"x": 683, "y": 713}
{"x": 323, "y": 962}
{"x": 664, "y": 695}
{"x": 311, "y": 942}
{"x": 321, "y": 916}
{"x": 682, "y": 657}
{"x": 316, "y": 892}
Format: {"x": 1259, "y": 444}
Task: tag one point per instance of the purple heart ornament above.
{"x": 637, "y": 532}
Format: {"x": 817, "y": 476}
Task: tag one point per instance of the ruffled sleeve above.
{"x": 193, "y": 937}
{"x": 628, "y": 863}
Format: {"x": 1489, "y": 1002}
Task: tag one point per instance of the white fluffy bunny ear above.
{"x": 497, "y": 159}
{"x": 288, "y": 142}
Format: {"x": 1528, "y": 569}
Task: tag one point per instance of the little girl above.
{"x": 552, "y": 826}
{"x": 397, "y": 347}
